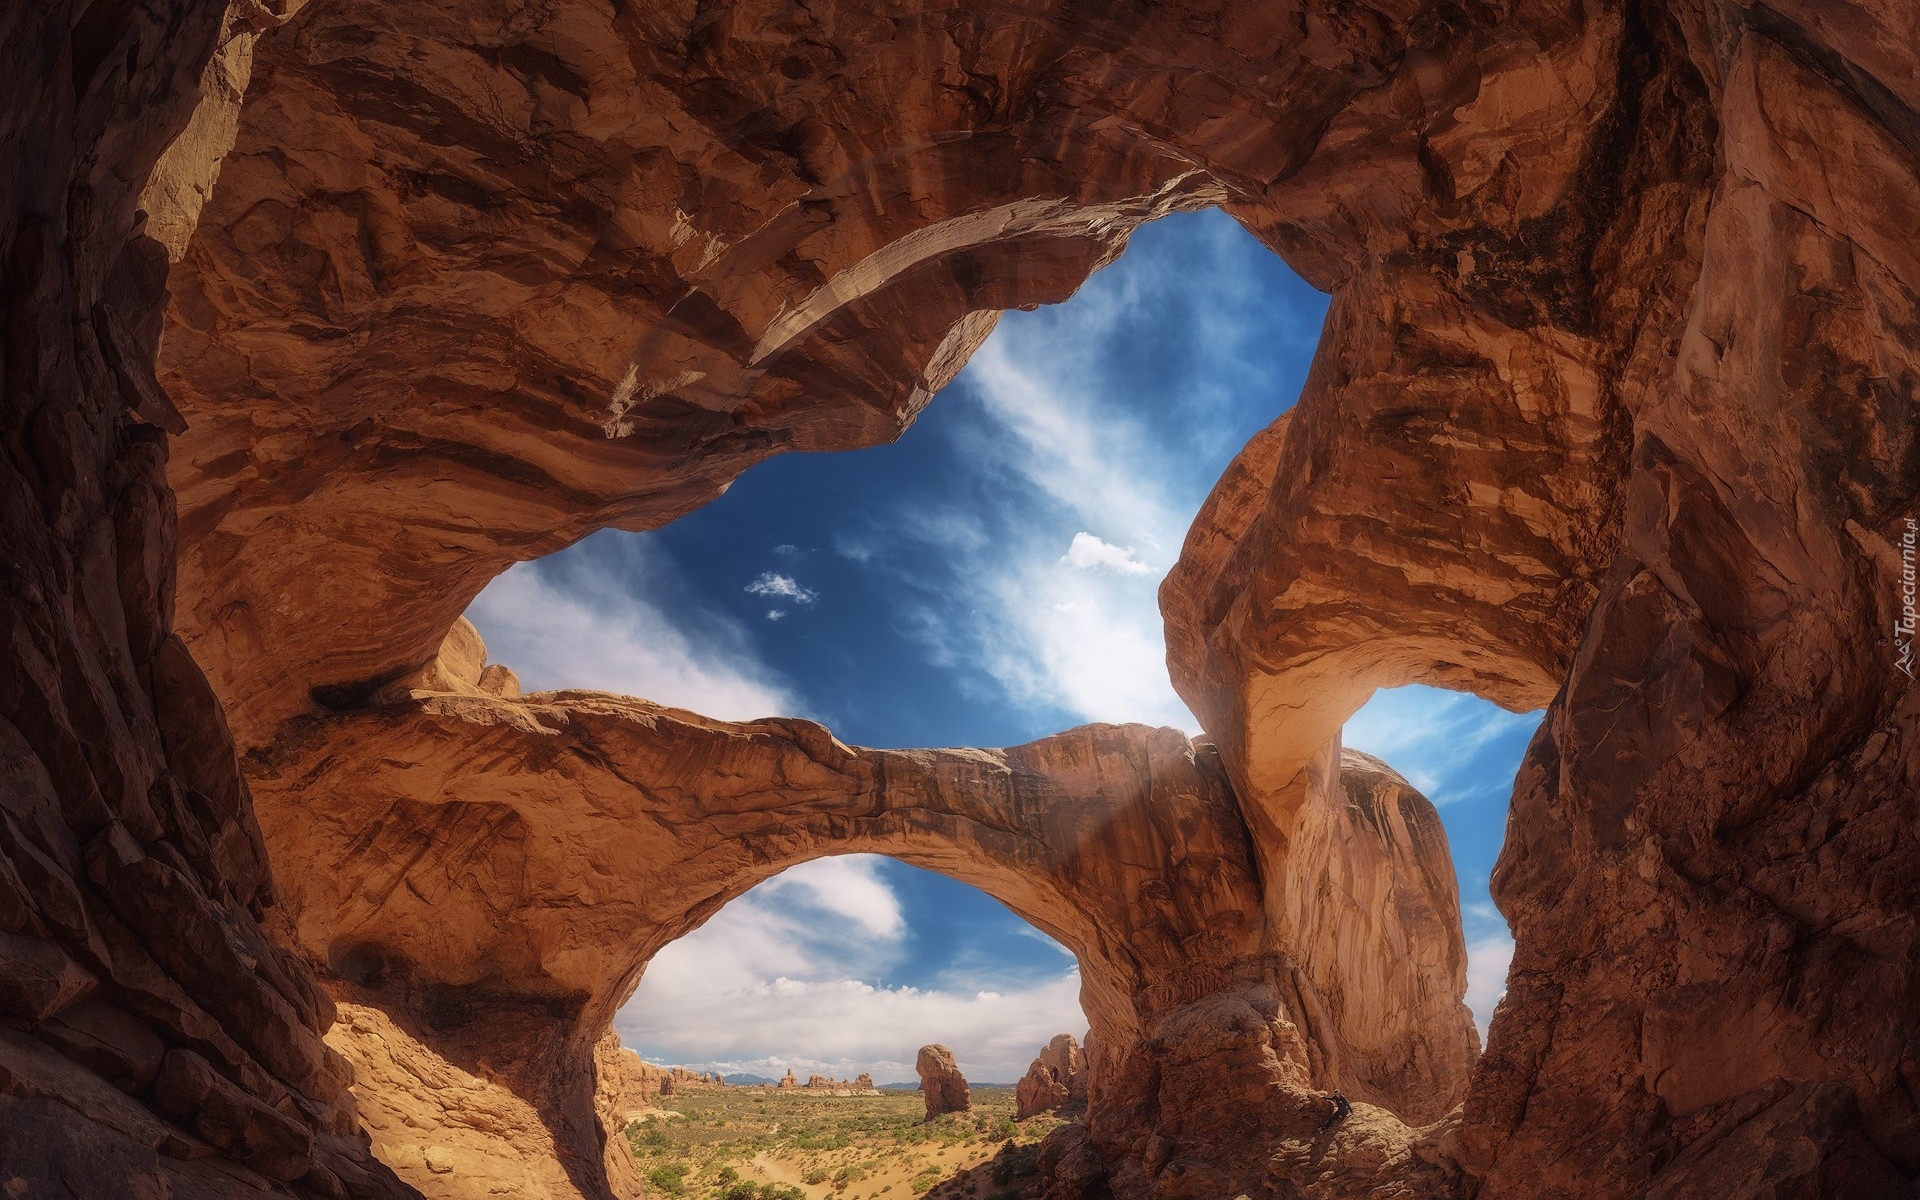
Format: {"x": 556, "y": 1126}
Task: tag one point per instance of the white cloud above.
{"x": 776, "y": 614}
{"x": 1080, "y": 632}
{"x": 767, "y": 583}
{"x": 788, "y": 966}
{"x": 842, "y": 1027}
{"x": 1089, "y": 553}
{"x": 852, "y": 547}
{"x": 586, "y": 626}
{"x": 848, "y": 887}
{"x": 1487, "y": 961}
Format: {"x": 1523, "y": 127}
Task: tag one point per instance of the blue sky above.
{"x": 987, "y": 580}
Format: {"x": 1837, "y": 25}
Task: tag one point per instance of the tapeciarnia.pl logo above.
{"x": 1904, "y": 627}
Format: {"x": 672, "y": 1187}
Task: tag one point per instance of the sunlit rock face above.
{"x": 941, "y": 1083}
{"x": 1055, "y": 1080}
{"x": 494, "y": 872}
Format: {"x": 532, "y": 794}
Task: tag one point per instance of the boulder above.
{"x": 1056, "y": 1080}
{"x": 941, "y": 1083}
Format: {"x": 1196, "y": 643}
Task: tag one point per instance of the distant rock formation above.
{"x": 628, "y": 1083}
{"x": 861, "y": 1086}
{"x": 941, "y": 1083}
{"x": 1056, "y": 1080}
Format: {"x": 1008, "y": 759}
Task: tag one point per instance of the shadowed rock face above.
{"x": 492, "y": 874}
{"x": 1613, "y": 413}
{"x": 153, "y": 1041}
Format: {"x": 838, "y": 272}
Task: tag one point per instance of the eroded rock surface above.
{"x": 153, "y": 1041}
{"x": 1654, "y": 484}
{"x": 942, "y": 1085}
{"x": 501, "y": 882}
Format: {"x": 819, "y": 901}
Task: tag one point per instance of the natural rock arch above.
{"x": 492, "y": 872}
{"x": 1631, "y": 286}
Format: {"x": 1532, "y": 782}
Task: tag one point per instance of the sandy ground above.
{"x": 894, "y": 1182}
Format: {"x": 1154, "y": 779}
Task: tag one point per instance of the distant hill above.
{"x": 744, "y": 1080}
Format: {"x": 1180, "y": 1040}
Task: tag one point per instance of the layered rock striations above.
{"x": 460, "y": 300}
{"x": 942, "y": 1085}
{"x": 498, "y": 870}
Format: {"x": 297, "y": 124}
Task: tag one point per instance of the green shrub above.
{"x": 648, "y": 1137}
{"x": 725, "y": 1176}
{"x": 1002, "y": 1130}
{"x": 815, "y": 1177}
{"x": 669, "y": 1178}
{"x": 744, "y": 1190}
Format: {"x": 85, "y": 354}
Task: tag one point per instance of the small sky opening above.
{"x": 851, "y": 964}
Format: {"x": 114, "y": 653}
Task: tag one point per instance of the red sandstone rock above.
{"x": 1611, "y": 410}
{"x": 941, "y": 1083}
{"x": 1056, "y": 1080}
{"x": 153, "y": 1041}
{"x": 1125, "y": 843}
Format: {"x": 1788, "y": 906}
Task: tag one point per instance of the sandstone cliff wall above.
{"x": 153, "y": 1041}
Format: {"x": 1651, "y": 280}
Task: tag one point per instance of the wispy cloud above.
{"x": 848, "y": 888}
{"x": 606, "y": 620}
{"x": 1088, "y": 434}
{"x": 768, "y": 583}
{"x": 793, "y": 967}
